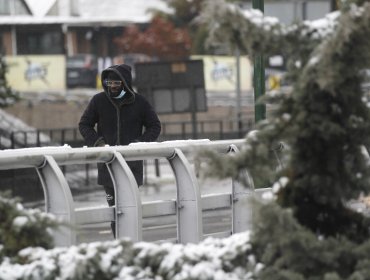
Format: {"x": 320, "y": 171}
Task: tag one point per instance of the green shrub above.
{"x": 21, "y": 228}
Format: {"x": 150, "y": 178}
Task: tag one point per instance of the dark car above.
{"x": 81, "y": 71}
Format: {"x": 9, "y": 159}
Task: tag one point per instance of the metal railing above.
{"x": 128, "y": 209}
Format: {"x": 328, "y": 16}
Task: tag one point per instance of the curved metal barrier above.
{"x": 128, "y": 209}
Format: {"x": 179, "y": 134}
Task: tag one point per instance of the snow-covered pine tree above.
{"x": 7, "y": 95}
{"x": 310, "y": 233}
{"x": 25, "y": 238}
{"x": 324, "y": 120}
{"x": 21, "y": 228}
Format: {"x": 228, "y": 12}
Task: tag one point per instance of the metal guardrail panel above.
{"x": 159, "y": 208}
{"x": 94, "y": 215}
{"x": 216, "y": 201}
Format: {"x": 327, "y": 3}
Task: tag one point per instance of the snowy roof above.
{"x": 74, "y": 21}
{"x": 108, "y": 13}
{"x": 40, "y": 7}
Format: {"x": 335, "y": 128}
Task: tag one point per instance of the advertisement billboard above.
{"x": 36, "y": 72}
{"x": 220, "y": 72}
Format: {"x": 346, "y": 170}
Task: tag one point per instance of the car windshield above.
{"x": 79, "y": 62}
{"x": 75, "y": 62}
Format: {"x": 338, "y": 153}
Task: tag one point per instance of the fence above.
{"x": 128, "y": 209}
{"x": 209, "y": 129}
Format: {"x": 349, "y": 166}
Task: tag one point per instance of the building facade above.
{"x": 71, "y": 27}
{"x": 68, "y": 26}
{"x": 40, "y": 37}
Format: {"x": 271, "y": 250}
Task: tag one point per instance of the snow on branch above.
{"x": 251, "y": 31}
{"x": 344, "y": 54}
{"x": 223, "y": 259}
{"x": 22, "y": 227}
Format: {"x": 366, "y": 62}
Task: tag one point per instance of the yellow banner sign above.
{"x": 220, "y": 72}
{"x": 36, "y": 72}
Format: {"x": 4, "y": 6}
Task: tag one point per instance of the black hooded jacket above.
{"x": 131, "y": 119}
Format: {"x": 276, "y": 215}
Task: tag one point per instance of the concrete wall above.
{"x": 48, "y": 114}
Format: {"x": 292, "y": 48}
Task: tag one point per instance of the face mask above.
{"x": 123, "y": 92}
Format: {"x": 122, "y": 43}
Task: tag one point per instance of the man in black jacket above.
{"x": 122, "y": 117}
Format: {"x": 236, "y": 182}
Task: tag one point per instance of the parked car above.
{"x": 81, "y": 71}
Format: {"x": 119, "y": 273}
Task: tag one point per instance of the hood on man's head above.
{"x": 123, "y": 72}
{"x": 113, "y": 76}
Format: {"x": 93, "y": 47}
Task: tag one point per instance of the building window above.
{"x": 33, "y": 42}
{"x": 13, "y": 7}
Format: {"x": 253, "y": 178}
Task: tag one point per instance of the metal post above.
{"x": 221, "y": 130}
{"x": 189, "y": 208}
{"x": 238, "y": 93}
{"x": 128, "y": 214}
{"x": 12, "y": 140}
{"x": 13, "y": 30}
{"x": 242, "y": 208}
{"x": 38, "y": 144}
{"x": 194, "y": 109}
{"x": 304, "y": 10}
{"x": 63, "y": 136}
{"x": 259, "y": 74}
{"x": 25, "y": 136}
{"x": 58, "y": 200}
{"x": 157, "y": 170}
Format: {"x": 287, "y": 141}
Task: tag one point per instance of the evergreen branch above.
{"x": 252, "y": 32}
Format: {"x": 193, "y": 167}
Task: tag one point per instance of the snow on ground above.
{"x": 9, "y": 123}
